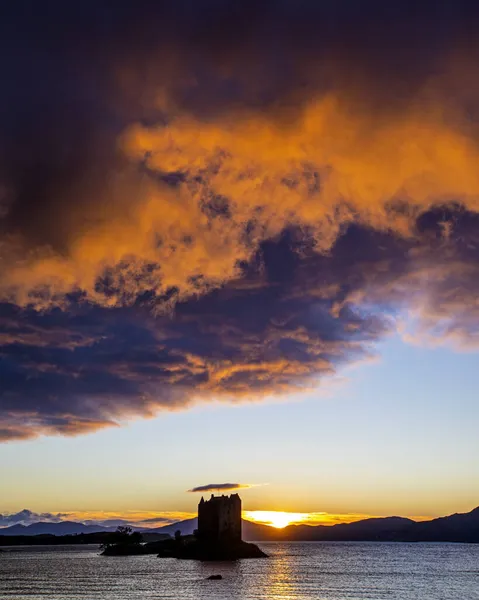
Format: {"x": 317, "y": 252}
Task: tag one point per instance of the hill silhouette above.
{"x": 60, "y": 528}
{"x": 463, "y": 527}
{"x": 186, "y": 527}
{"x": 460, "y": 527}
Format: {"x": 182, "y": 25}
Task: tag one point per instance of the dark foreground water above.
{"x": 326, "y": 571}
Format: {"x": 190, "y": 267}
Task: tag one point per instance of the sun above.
{"x": 274, "y": 518}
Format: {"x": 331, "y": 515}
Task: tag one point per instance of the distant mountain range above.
{"x": 186, "y": 527}
{"x": 454, "y": 528}
{"x": 60, "y": 528}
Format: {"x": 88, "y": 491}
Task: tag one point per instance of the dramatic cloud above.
{"x": 220, "y": 487}
{"x": 221, "y": 200}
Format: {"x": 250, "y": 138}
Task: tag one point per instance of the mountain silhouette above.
{"x": 387, "y": 528}
{"x": 455, "y": 528}
{"x": 185, "y": 527}
{"x": 61, "y": 528}
{"x": 463, "y": 527}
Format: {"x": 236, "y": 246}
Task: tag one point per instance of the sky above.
{"x": 239, "y": 243}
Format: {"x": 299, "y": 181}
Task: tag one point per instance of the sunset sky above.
{"x": 239, "y": 242}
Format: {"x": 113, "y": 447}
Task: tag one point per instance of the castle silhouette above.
{"x": 218, "y": 536}
{"x": 219, "y": 519}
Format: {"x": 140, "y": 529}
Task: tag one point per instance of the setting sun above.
{"x": 275, "y": 518}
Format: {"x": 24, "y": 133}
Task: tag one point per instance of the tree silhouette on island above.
{"x": 123, "y": 542}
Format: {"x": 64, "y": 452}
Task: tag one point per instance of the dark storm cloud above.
{"x": 218, "y": 487}
{"x": 290, "y": 320}
{"x": 227, "y": 200}
{"x": 73, "y": 371}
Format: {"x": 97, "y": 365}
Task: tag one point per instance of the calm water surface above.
{"x": 326, "y": 571}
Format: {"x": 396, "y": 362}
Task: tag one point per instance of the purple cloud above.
{"x": 220, "y": 487}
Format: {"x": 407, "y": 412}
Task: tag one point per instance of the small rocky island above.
{"x": 218, "y": 536}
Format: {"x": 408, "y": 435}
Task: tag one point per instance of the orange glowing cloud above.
{"x": 230, "y": 203}
{"x": 146, "y": 519}
{"x": 246, "y": 178}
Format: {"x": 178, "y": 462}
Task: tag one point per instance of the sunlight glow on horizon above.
{"x": 274, "y": 518}
{"x": 280, "y": 519}
{"x": 154, "y": 519}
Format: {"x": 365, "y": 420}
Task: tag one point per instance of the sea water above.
{"x": 325, "y": 571}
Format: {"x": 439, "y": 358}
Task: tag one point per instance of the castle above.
{"x": 218, "y": 536}
{"x": 219, "y": 519}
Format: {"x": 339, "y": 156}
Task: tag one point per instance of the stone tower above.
{"x": 219, "y": 519}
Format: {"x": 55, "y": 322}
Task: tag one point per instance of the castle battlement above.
{"x": 219, "y": 518}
